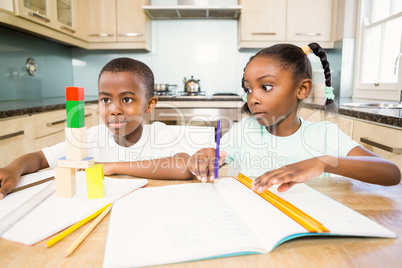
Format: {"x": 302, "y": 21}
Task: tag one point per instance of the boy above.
{"x": 123, "y": 144}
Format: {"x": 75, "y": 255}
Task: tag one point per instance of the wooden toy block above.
{"x": 84, "y": 163}
{"x": 75, "y": 114}
{"x": 95, "y": 181}
{"x": 76, "y": 143}
{"x": 74, "y": 93}
{"x": 65, "y": 182}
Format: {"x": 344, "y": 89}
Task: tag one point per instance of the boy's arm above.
{"x": 174, "y": 167}
{"x": 27, "y": 163}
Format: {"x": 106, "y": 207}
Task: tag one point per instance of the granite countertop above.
{"x": 392, "y": 117}
{"x": 23, "y": 107}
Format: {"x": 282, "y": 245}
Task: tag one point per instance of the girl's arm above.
{"x": 27, "y": 163}
{"x": 174, "y": 167}
{"x": 359, "y": 164}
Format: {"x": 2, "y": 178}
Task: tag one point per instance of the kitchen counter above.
{"x": 24, "y": 107}
{"x": 390, "y": 117}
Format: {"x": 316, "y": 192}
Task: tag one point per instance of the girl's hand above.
{"x": 202, "y": 163}
{"x": 289, "y": 175}
{"x": 8, "y": 181}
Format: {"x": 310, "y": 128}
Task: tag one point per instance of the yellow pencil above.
{"x": 81, "y": 238}
{"x": 68, "y": 231}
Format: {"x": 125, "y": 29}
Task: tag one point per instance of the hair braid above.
{"x": 320, "y": 53}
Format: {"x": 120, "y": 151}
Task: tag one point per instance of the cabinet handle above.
{"x": 33, "y": 14}
{"x": 131, "y": 34}
{"x": 12, "y": 135}
{"x": 263, "y": 33}
{"x": 381, "y": 146}
{"x": 308, "y": 34}
{"x": 102, "y": 35}
{"x": 67, "y": 29}
{"x": 49, "y": 124}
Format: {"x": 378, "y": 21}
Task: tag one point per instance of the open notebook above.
{"x": 195, "y": 221}
{"x": 55, "y": 214}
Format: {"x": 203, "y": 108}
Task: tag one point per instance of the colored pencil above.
{"x": 68, "y": 231}
{"x": 218, "y": 141}
{"x": 82, "y": 237}
{"x": 311, "y": 224}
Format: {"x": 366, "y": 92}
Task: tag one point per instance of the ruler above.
{"x": 20, "y": 212}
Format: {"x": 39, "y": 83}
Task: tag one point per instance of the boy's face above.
{"x": 123, "y": 104}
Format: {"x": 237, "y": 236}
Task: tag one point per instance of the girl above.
{"x": 277, "y": 146}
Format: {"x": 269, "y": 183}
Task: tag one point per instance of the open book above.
{"x": 195, "y": 221}
{"x": 55, "y": 214}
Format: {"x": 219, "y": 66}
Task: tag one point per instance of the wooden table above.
{"x": 379, "y": 203}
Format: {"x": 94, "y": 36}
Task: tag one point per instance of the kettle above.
{"x": 191, "y": 85}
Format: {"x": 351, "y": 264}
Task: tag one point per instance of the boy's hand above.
{"x": 8, "y": 181}
{"x": 289, "y": 175}
{"x": 202, "y": 163}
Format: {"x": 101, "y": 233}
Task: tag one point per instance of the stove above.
{"x": 164, "y": 93}
{"x": 185, "y": 94}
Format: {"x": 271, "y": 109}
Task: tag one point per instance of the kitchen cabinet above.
{"x": 262, "y": 20}
{"x": 7, "y": 5}
{"x": 56, "y": 14}
{"x": 381, "y": 140}
{"x": 118, "y": 24}
{"x": 16, "y": 138}
{"x": 267, "y": 22}
{"x": 61, "y": 20}
{"x": 49, "y": 126}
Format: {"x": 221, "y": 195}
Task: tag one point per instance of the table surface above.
{"x": 379, "y": 203}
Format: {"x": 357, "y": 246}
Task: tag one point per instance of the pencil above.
{"x": 218, "y": 141}
{"x": 68, "y": 231}
{"x": 311, "y": 224}
{"x": 82, "y": 237}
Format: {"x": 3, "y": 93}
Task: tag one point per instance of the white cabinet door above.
{"x": 263, "y": 20}
{"x": 102, "y": 20}
{"x": 309, "y": 20}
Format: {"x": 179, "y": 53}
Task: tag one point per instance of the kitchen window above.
{"x": 378, "y": 72}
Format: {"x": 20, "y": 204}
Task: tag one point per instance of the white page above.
{"x": 173, "y": 224}
{"x": 55, "y": 214}
{"x": 272, "y": 225}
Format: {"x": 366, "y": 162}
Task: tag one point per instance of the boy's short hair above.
{"x": 135, "y": 67}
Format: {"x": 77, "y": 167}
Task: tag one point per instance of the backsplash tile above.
{"x": 54, "y": 67}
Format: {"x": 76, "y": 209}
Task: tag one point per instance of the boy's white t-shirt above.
{"x": 156, "y": 141}
{"x": 257, "y": 151}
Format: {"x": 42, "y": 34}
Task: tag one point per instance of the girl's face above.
{"x": 271, "y": 92}
{"x": 123, "y": 104}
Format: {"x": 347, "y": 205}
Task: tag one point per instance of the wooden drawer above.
{"x": 49, "y": 140}
{"x": 380, "y": 139}
{"x": 16, "y": 139}
{"x": 49, "y": 123}
{"x": 54, "y": 122}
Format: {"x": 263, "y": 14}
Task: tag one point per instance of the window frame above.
{"x": 382, "y": 91}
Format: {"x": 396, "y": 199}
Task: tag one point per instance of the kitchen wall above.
{"x": 54, "y": 68}
{"x": 206, "y": 49}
